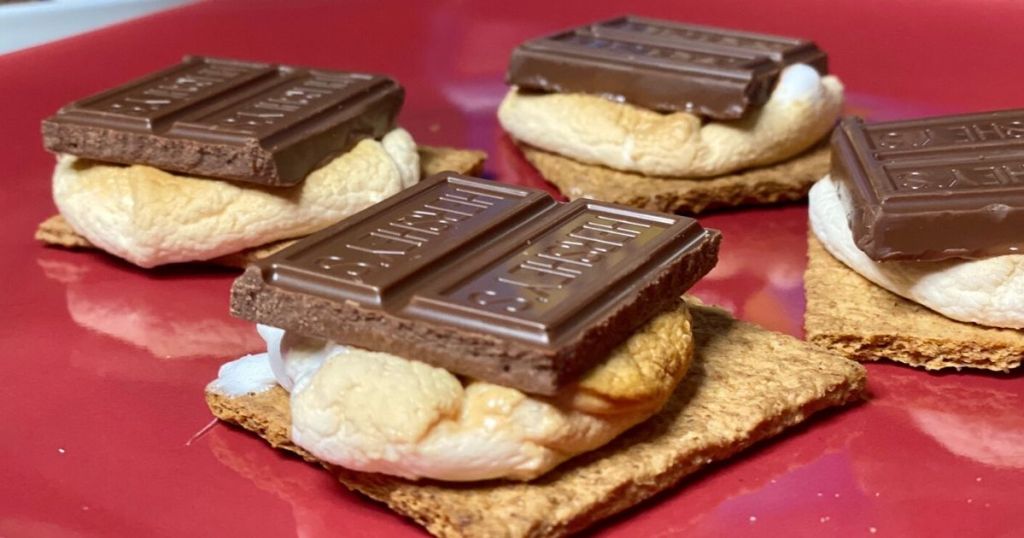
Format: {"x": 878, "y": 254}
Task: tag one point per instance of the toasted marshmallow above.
{"x": 987, "y": 291}
{"x": 376, "y": 412}
{"x": 151, "y": 217}
{"x": 801, "y": 110}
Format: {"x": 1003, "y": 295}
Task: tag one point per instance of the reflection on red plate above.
{"x": 104, "y": 364}
{"x": 150, "y": 316}
{"x": 970, "y": 422}
{"x": 776, "y": 484}
{"x": 311, "y": 493}
{"x": 960, "y": 434}
{"x": 750, "y": 265}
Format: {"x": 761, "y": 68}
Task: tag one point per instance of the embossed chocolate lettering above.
{"x": 378, "y": 249}
{"x": 608, "y": 230}
{"x": 942, "y": 133}
{"x": 638, "y": 51}
{"x": 698, "y": 35}
{"x": 423, "y": 226}
{"x": 369, "y": 254}
{"x": 573, "y": 251}
{"x": 534, "y": 286}
{"x": 550, "y": 265}
{"x": 270, "y": 109}
{"x": 490, "y": 298}
{"x": 175, "y": 88}
{"x": 337, "y": 265}
{"x": 960, "y": 177}
{"x": 464, "y": 202}
{"x": 911, "y": 138}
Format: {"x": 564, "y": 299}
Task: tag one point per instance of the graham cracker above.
{"x": 55, "y": 231}
{"x": 850, "y": 315}
{"x": 785, "y": 181}
{"x": 745, "y": 384}
{"x": 434, "y": 160}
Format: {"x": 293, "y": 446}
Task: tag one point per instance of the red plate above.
{"x": 105, "y": 429}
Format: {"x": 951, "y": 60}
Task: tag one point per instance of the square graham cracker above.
{"x": 746, "y": 384}
{"x": 55, "y": 231}
{"x": 850, "y": 315}
{"x": 786, "y": 181}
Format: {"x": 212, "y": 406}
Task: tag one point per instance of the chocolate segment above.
{"x": 486, "y": 280}
{"x": 262, "y": 123}
{"x": 661, "y": 65}
{"x": 936, "y": 188}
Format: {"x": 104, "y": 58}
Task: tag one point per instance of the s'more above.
{"x": 917, "y": 250}
{"x": 671, "y": 116}
{"x": 225, "y": 160}
{"x": 490, "y": 362}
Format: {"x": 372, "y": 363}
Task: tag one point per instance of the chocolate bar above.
{"x": 936, "y": 188}
{"x": 262, "y": 123}
{"x": 491, "y": 281}
{"x": 661, "y": 65}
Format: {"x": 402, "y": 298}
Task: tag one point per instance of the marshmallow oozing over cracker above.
{"x": 988, "y": 291}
